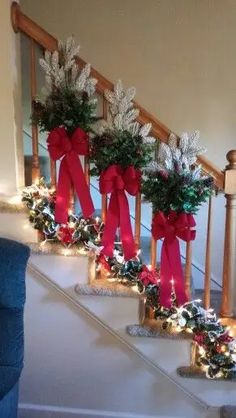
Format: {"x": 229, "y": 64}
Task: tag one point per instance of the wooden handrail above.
{"x": 23, "y": 23}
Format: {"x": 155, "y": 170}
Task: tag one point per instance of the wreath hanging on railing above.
{"x": 67, "y": 112}
{"x": 120, "y": 152}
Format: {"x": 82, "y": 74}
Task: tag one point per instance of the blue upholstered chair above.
{"x": 13, "y": 261}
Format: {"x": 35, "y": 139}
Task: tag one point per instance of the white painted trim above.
{"x": 34, "y": 270}
{"x": 50, "y": 411}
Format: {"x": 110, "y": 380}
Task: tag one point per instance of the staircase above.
{"x": 56, "y": 316}
{"x": 80, "y": 361}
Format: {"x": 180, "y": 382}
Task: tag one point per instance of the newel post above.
{"x": 228, "y": 305}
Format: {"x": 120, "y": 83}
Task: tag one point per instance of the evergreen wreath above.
{"x": 68, "y": 94}
{"x": 174, "y": 182}
{"x": 121, "y": 140}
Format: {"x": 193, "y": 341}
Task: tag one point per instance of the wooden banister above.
{"x": 23, "y": 23}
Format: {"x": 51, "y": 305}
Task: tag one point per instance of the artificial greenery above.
{"x": 215, "y": 346}
{"x": 134, "y": 272}
{"x": 68, "y": 93}
{"x": 40, "y": 200}
{"x": 128, "y": 271}
{"x": 174, "y": 181}
{"x": 64, "y": 107}
{"x": 118, "y": 147}
{"x": 125, "y": 272}
{"x": 180, "y": 192}
{"x": 121, "y": 140}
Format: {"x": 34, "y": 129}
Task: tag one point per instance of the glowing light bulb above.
{"x": 178, "y": 328}
{"x": 135, "y": 289}
{"x": 66, "y": 252}
{"x": 201, "y": 350}
{"x": 99, "y": 266}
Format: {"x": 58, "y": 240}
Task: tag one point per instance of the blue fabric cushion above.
{"x": 13, "y": 261}
{"x": 9, "y": 404}
{"x": 11, "y": 348}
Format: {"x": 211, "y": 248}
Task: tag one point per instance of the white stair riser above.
{"x": 67, "y": 270}
{"x": 47, "y": 411}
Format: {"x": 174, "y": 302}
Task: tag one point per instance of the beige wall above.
{"x": 11, "y": 155}
{"x": 180, "y": 54}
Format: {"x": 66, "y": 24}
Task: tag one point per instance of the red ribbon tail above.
{"x": 165, "y": 277}
{"x": 63, "y": 194}
{"x": 80, "y": 184}
{"x": 178, "y": 276}
{"x": 111, "y": 225}
{"x": 126, "y": 232}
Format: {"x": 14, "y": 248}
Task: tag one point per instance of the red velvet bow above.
{"x": 170, "y": 227}
{"x": 71, "y": 172}
{"x": 116, "y": 180}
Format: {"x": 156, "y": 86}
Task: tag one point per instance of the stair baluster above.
{"x": 86, "y": 170}
{"x": 53, "y": 173}
{"x": 228, "y": 306}
{"x": 188, "y": 269}
{"x": 33, "y": 85}
{"x": 153, "y": 252}
{"x": 104, "y": 196}
{"x": 207, "y": 282}
{"x": 137, "y": 220}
